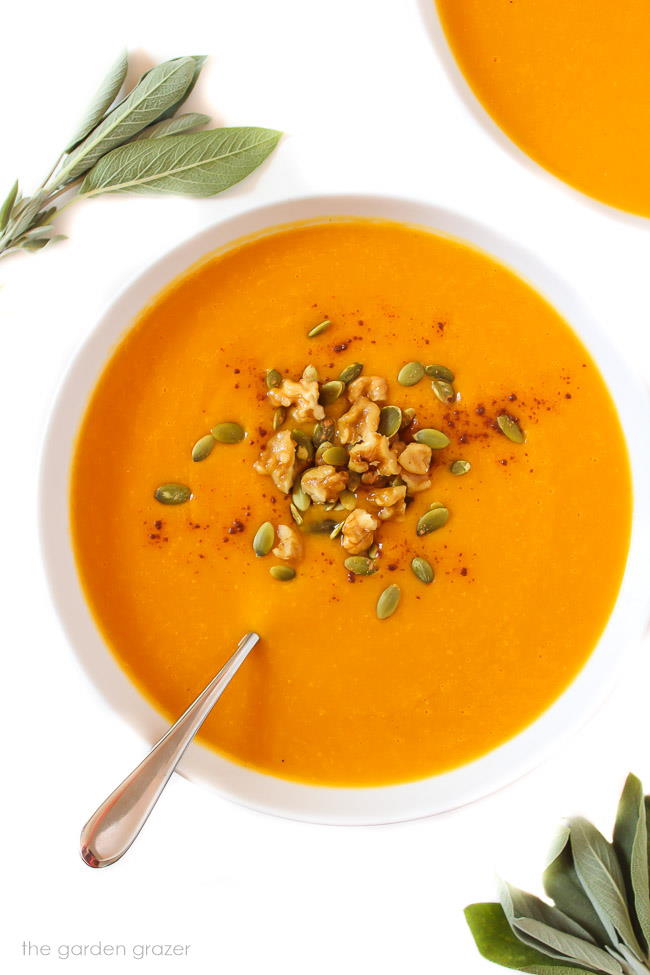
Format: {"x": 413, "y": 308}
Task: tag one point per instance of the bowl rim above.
{"x": 247, "y": 786}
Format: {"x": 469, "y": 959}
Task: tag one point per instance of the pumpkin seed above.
{"x": 435, "y": 439}
{"x": 264, "y": 539}
{"x": 354, "y": 480}
{"x": 319, "y": 329}
{"x": 351, "y": 372}
{"x": 330, "y": 392}
{"x": 323, "y": 527}
{"x": 431, "y": 520}
{"x": 510, "y": 427}
{"x": 390, "y": 420}
{"x": 440, "y": 372}
{"x": 337, "y": 456}
{"x": 323, "y": 431}
{"x": 273, "y": 378}
{"x": 388, "y": 602}
{"x": 172, "y": 493}
{"x": 300, "y": 498}
{"x": 423, "y": 570}
{"x": 337, "y": 529}
{"x": 408, "y": 415}
{"x": 321, "y": 450}
{"x": 203, "y": 447}
{"x": 410, "y": 374}
{"x": 283, "y": 573}
{"x": 373, "y": 551}
{"x": 443, "y": 390}
{"x": 228, "y": 432}
{"x": 329, "y": 505}
{"x": 295, "y": 514}
{"x": 304, "y": 446}
{"x": 359, "y": 565}
{"x": 460, "y": 467}
{"x": 310, "y": 374}
{"x": 435, "y": 504}
{"x": 348, "y": 500}
{"x": 279, "y": 416}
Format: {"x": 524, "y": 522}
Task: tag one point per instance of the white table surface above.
{"x": 368, "y": 105}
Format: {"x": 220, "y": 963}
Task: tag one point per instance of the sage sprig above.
{"x": 600, "y": 917}
{"x": 135, "y": 144}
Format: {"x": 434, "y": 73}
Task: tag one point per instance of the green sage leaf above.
{"x": 201, "y": 164}
{"x": 199, "y": 61}
{"x": 103, "y": 99}
{"x": 8, "y": 205}
{"x": 156, "y": 91}
{"x": 174, "y": 126}
{"x": 600, "y": 874}
{"x": 631, "y": 846}
{"x": 561, "y": 883}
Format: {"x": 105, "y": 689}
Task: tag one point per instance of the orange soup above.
{"x": 569, "y": 82}
{"x": 526, "y": 572}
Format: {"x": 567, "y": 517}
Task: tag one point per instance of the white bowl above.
{"x": 316, "y": 803}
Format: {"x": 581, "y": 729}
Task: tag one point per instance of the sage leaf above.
{"x": 563, "y": 887}
{"x": 601, "y": 876}
{"x": 631, "y": 846}
{"x": 103, "y": 99}
{"x": 519, "y": 904}
{"x": 8, "y": 205}
{"x": 174, "y": 126}
{"x": 496, "y": 942}
{"x": 568, "y": 948}
{"x": 200, "y": 164}
{"x": 156, "y": 91}
{"x": 199, "y": 61}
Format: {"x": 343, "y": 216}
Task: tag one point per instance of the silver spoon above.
{"x": 111, "y": 830}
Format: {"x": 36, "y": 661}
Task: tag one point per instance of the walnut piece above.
{"x": 416, "y": 458}
{"x": 357, "y": 534}
{"x": 303, "y": 395}
{"x": 415, "y": 483}
{"x": 374, "y": 451}
{"x": 278, "y": 460}
{"x": 374, "y": 388}
{"x": 290, "y": 545}
{"x": 324, "y": 483}
{"x": 361, "y": 420}
{"x": 390, "y": 501}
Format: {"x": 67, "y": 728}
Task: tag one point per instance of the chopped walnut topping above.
{"x": 416, "y": 458}
{"x": 278, "y": 459}
{"x": 374, "y": 388}
{"x": 374, "y": 479}
{"x": 324, "y": 483}
{"x": 290, "y": 545}
{"x": 415, "y": 483}
{"x": 303, "y": 395}
{"x": 390, "y": 501}
{"x": 361, "y": 420}
{"x": 374, "y": 451}
{"x": 357, "y": 534}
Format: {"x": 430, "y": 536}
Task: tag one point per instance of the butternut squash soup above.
{"x": 569, "y": 82}
{"x": 385, "y": 453}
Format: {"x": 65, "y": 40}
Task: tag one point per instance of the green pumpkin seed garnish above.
{"x": 273, "y": 378}
{"x": 390, "y": 420}
{"x": 318, "y": 457}
{"x": 423, "y": 570}
{"x": 300, "y": 498}
{"x": 354, "y": 480}
{"x": 304, "y": 446}
{"x": 283, "y": 573}
{"x": 337, "y": 529}
{"x": 323, "y": 431}
{"x": 359, "y": 565}
{"x": 172, "y": 493}
{"x": 408, "y": 415}
{"x": 440, "y": 372}
{"x": 388, "y": 602}
{"x": 318, "y": 329}
{"x": 351, "y": 372}
{"x": 435, "y": 439}
{"x": 228, "y": 432}
{"x": 264, "y": 539}
{"x": 348, "y": 500}
{"x": 410, "y": 374}
{"x": 508, "y": 426}
{"x": 279, "y": 416}
{"x": 443, "y": 390}
{"x": 431, "y": 520}
{"x": 460, "y": 467}
{"x": 203, "y": 447}
{"x": 330, "y": 392}
{"x": 373, "y": 551}
{"x": 337, "y": 456}
{"x": 310, "y": 374}
{"x": 435, "y": 504}
{"x": 324, "y": 527}
{"x": 295, "y": 514}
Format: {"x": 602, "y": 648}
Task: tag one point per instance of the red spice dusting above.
{"x": 341, "y": 347}
{"x": 236, "y": 527}
{"x": 504, "y": 462}
{"x": 463, "y": 571}
{"x": 157, "y": 525}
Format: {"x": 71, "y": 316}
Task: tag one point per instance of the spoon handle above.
{"x": 111, "y": 830}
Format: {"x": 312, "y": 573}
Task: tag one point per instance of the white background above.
{"x": 368, "y": 104}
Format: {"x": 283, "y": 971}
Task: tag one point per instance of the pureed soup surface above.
{"x": 527, "y": 567}
{"x": 569, "y": 82}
